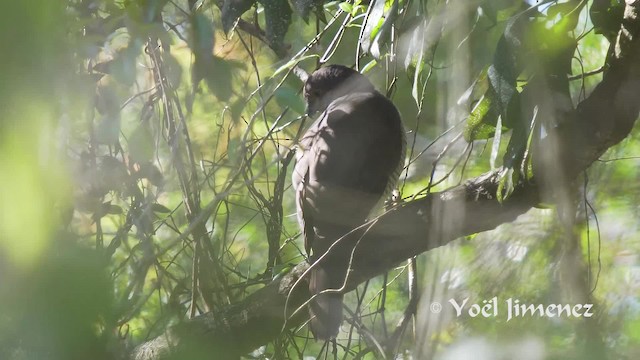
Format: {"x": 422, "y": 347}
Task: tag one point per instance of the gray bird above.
{"x": 347, "y": 161}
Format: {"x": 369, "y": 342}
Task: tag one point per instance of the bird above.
{"x": 348, "y": 160}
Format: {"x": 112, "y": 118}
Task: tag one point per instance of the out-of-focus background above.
{"x": 144, "y": 177}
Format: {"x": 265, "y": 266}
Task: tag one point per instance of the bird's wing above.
{"x": 346, "y": 161}
{"x": 361, "y": 144}
{"x": 306, "y": 217}
{"x": 300, "y": 182}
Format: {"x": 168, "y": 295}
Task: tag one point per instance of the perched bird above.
{"x": 347, "y": 161}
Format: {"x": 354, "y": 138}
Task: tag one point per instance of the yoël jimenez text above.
{"x": 491, "y": 308}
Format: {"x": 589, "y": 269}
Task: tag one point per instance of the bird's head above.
{"x": 331, "y": 82}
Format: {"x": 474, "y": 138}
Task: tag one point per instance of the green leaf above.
{"x": 107, "y": 99}
{"x": 495, "y": 148}
{"x": 506, "y": 185}
{"x": 196, "y": 4}
{"x": 378, "y": 27}
{"x": 369, "y": 66}
{"x": 202, "y": 36}
{"x": 281, "y": 270}
{"x": 606, "y": 16}
{"x": 414, "y": 59}
{"x": 114, "y": 210}
{"x": 172, "y": 69}
{"x": 159, "y": 208}
{"x": 152, "y": 9}
{"x": 150, "y": 172}
{"x": 113, "y": 174}
{"x": 277, "y": 15}
{"x": 632, "y": 325}
{"x": 141, "y": 145}
{"x": 491, "y": 8}
{"x": 107, "y": 208}
{"x": 481, "y": 121}
{"x": 567, "y": 13}
{"x": 490, "y": 11}
{"x": 346, "y": 7}
{"x": 503, "y": 87}
{"x": 202, "y": 43}
{"x": 123, "y": 65}
{"x": 415, "y": 42}
{"x": 475, "y": 92}
{"x": 219, "y": 77}
{"x": 508, "y": 63}
{"x": 232, "y": 10}
{"x": 107, "y": 132}
{"x": 288, "y": 97}
{"x": 293, "y": 62}
{"x": 520, "y": 123}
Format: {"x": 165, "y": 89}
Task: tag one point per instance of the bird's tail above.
{"x": 325, "y": 309}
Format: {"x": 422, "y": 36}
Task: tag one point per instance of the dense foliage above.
{"x": 145, "y": 157}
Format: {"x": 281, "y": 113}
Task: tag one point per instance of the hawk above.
{"x": 346, "y": 162}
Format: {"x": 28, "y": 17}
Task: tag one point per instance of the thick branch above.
{"x": 599, "y": 122}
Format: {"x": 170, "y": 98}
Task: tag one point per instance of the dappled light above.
{"x": 159, "y": 198}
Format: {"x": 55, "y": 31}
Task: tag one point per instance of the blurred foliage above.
{"x": 134, "y": 197}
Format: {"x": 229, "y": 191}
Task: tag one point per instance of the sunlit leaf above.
{"x": 415, "y": 43}
{"x": 414, "y": 59}
{"x": 506, "y": 185}
{"x": 293, "y": 62}
{"x": 475, "y": 92}
{"x": 346, "y": 7}
{"x": 495, "y": 148}
{"x": 281, "y": 270}
{"x": 368, "y": 66}
{"x": 567, "y": 15}
{"x": 377, "y": 29}
{"x": 481, "y": 121}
